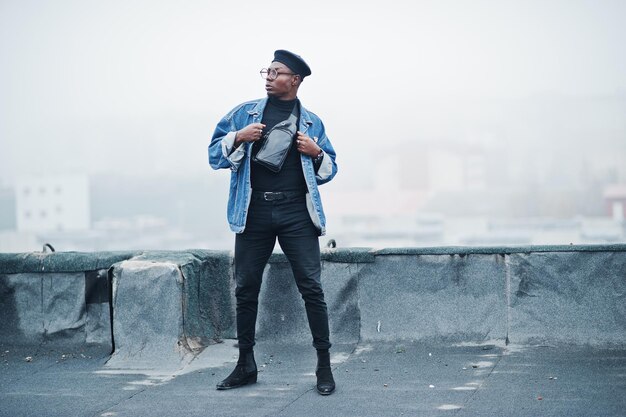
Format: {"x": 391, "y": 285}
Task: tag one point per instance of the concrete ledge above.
{"x": 207, "y": 291}
{"x": 176, "y": 303}
{"x": 186, "y": 304}
{"x": 567, "y": 297}
{"x": 281, "y": 309}
{"x": 339, "y": 255}
{"x": 488, "y": 250}
{"x": 16, "y": 263}
{"x": 55, "y": 308}
{"x": 147, "y": 313}
{"x": 425, "y": 297}
{"x": 58, "y": 298}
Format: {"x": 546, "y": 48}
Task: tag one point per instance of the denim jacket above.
{"x": 222, "y": 155}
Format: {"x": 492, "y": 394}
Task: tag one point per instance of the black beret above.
{"x": 293, "y": 61}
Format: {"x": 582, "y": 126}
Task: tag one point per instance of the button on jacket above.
{"x": 222, "y": 155}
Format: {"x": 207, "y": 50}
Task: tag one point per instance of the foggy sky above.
{"x": 136, "y": 87}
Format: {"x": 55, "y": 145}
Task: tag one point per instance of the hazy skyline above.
{"x": 136, "y": 87}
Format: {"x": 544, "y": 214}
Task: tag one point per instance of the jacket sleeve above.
{"x": 328, "y": 167}
{"x": 221, "y": 152}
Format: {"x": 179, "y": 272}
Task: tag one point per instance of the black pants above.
{"x": 288, "y": 220}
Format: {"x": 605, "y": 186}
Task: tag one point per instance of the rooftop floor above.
{"x": 379, "y": 379}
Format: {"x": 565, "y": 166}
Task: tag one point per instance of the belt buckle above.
{"x": 270, "y": 196}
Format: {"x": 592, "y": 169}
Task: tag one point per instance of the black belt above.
{"x": 276, "y": 195}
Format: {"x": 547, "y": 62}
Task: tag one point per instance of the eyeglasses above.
{"x": 271, "y": 74}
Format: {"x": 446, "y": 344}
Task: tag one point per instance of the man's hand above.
{"x": 307, "y": 146}
{"x": 250, "y": 133}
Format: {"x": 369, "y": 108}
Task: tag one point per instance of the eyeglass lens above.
{"x": 270, "y": 73}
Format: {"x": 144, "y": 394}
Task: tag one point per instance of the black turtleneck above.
{"x": 290, "y": 177}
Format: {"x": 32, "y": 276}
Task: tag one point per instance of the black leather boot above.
{"x": 325, "y": 380}
{"x": 245, "y": 372}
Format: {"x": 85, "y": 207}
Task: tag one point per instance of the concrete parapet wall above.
{"x": 567, "y": 297}
{"x": 451, "y": 297}
{"x": 56, "y": 298}
{"x": 171, "y": 304}
{"x": 55, "y": 308}
{"x": 281, "y": 309}
{"x": 522, "y": 295}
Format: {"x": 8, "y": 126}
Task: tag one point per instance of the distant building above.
{"x": 615, "y": 201}
{"x": 7, "y": 209}
{"x": 456, "y": 168}
{"x": 52, "y": 203}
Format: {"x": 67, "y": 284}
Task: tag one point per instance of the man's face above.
{"x": 284, "y": 86}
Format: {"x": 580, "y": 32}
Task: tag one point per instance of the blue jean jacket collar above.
{"x": 257, "y": 114}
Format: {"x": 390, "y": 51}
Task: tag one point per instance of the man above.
{"x": 283, "y": 202}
